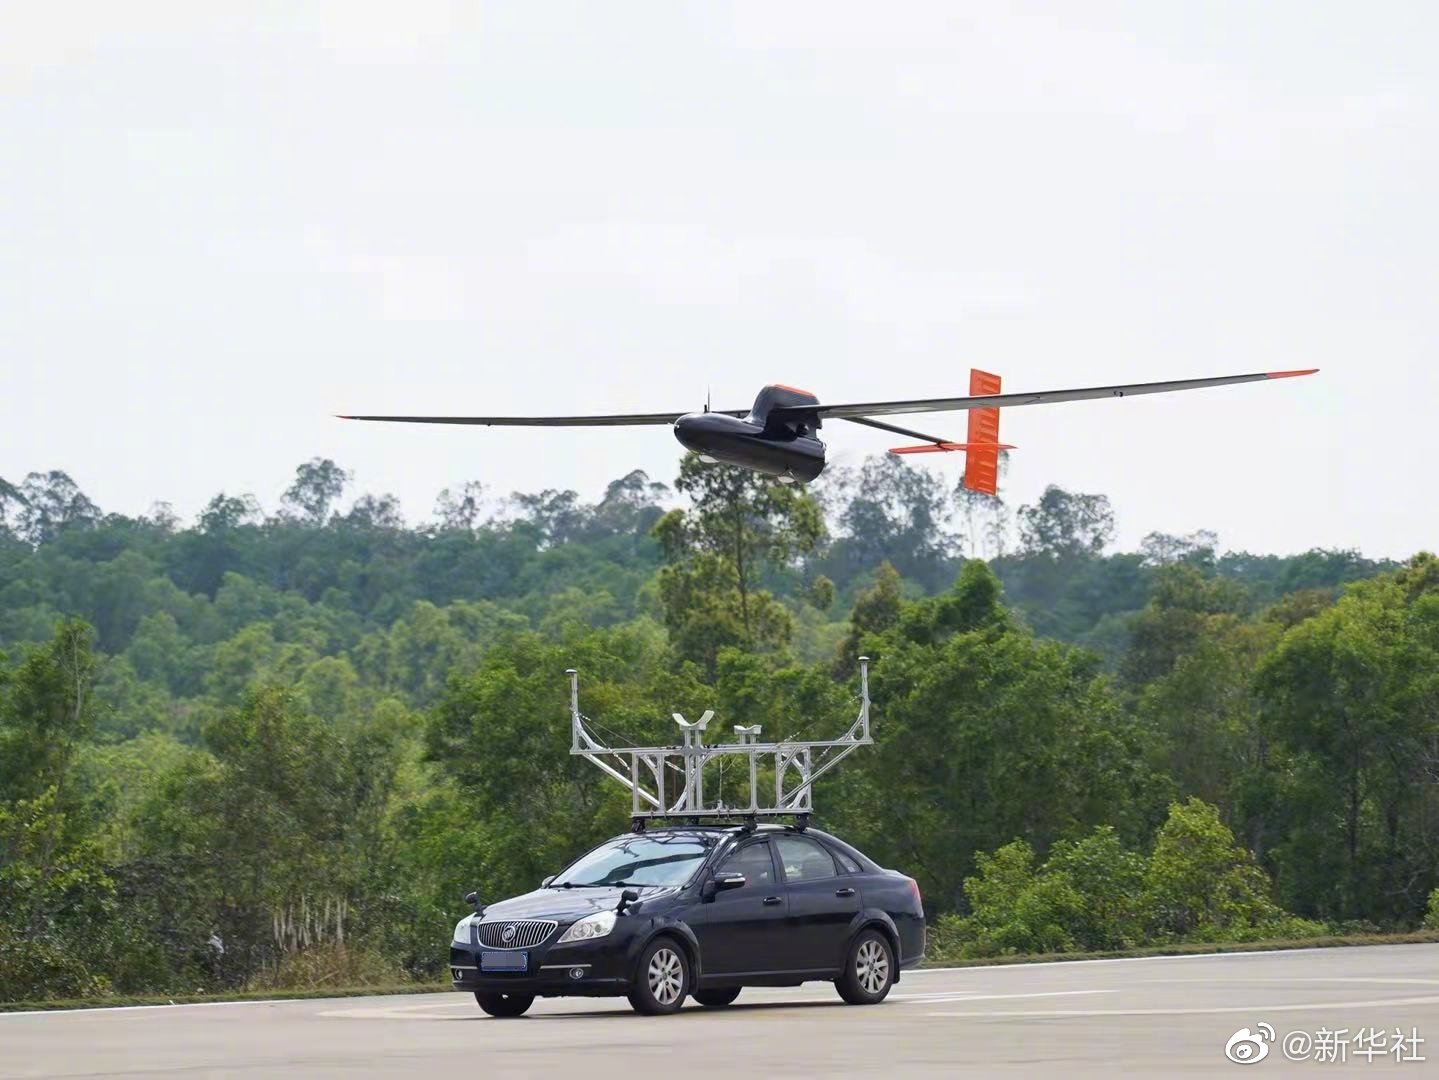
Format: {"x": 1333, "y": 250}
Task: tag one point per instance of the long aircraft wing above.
{"x": 1043, "y": 397}
{"x": 855, "y": 411}
{"x": 617, "y": 420}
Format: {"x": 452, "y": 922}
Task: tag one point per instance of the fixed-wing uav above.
{"x": 777, "y": 435}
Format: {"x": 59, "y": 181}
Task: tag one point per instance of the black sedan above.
{"x": 661, "y": 915}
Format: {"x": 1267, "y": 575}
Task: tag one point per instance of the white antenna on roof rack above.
{"x": 643, "y": 769}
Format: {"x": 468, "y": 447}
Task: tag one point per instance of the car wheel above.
{"x": 504, "y": 1004}
{"x": 662, "y": 978}
{"x": 868, "y": 970}
{"x": 718, "y": 997}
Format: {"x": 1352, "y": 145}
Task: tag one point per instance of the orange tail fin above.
{"x": 981, "y": 466}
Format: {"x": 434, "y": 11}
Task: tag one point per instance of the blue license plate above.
{"x": 507, "y": 960}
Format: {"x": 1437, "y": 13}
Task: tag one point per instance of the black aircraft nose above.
{"x": 705, "y": 433}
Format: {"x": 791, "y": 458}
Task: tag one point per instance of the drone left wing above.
{"x": 617, "y": 420}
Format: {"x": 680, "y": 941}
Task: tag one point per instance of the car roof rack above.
{"x": 668, "y": 782}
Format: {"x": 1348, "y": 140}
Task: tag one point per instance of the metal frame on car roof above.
{"x": 645, "y": 770}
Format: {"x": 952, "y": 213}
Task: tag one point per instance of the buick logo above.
{"x": 507, "y": 935}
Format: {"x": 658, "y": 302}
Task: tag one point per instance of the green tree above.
{"x": 988, "y": 734}
{"x": 1200, "y": 884}
{"x": 1109, "y": 879}
{"x": 54, "y": 895}
{"x": 460, "y": 508}
{"x": 12, "y": 503}
{"x": 501, "y": 734}
{"x": 1176, "y": 617}
{"x": 1063, "y": 524}
{"x": 47, "y": 710}
{"x": 50, "y": 503}
{"x": 739, "y": 525}
{"x": 1352, "y": 692}
{"x": 318, "y": 483}
{"x": 278, "y": 825}
{"x": 893, "y": 512}
{"x": 1014, "y": 909}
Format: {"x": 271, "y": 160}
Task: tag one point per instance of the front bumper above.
{"x": 588, "y": 969}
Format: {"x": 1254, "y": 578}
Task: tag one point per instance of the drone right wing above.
{"x": 982, "y": 446}
{"x": 1042, "y": 397}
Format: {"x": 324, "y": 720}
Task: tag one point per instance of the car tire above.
{"x": 504, "y": 1004}
{"x": 868, "y": 970}
{"x": 717, "y": 998}
{"x": 662, "y": 978}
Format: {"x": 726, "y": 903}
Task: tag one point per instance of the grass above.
{"x": 1337, "y": 941}
{"x": 112, "y": 1000}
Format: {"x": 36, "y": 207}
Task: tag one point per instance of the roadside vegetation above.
{"x": 269, "y": 752}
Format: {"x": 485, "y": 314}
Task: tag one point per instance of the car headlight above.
{"x": 462, "y": 931}
{"x": 589, "y": 928}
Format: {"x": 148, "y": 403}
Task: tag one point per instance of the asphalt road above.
{"x": 1153, "y": 1017}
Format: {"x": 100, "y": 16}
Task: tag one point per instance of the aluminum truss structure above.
{"x": 669, "y": 781}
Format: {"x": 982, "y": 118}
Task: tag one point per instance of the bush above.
{"x": 1110, "y": 882}
{"x": 1200, "y": 885}
{"x": 1431, "y": 918}
{"x": 333, "y": 964}
{"x": 34, "y": 969}
{"x": 1016, "y": 910}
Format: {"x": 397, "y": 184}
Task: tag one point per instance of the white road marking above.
{"x": 934, "y": 999}
{"x": 1382, "y": 1003}
{"x": 81, "y": 1010}
{"x": 774, "y": 996}
{"x": 1030, "y": 965}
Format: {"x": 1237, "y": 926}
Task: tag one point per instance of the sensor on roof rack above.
{"x": 668, "y": 781}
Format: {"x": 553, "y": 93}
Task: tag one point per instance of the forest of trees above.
{"x": 305, "y": 734}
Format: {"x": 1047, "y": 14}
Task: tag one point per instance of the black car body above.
{"x": 726, "y": 907}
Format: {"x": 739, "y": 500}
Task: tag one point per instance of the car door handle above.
{"x": 846, "y": 891}
{"x": 771, "y": 900}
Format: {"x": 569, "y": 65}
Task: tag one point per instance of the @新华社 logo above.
{"x": 507, "y": 935}
{"x": 1245, "y": 1047}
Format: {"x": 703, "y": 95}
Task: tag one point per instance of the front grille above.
{"x": 527, "y": 933}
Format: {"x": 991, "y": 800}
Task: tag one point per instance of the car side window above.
{"x": 845, "y": 862}
{"x": 804, "y": 859}
{"x": 754, "y": 862}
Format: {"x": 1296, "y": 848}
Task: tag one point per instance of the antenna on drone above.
{"x": 668, "y": 781}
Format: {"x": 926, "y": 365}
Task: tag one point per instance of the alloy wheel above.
{"x": 871, "y": 966}
{"x": 666, "y": 976}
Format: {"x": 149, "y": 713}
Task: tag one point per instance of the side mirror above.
{"x": 628, "y": 899}
{"x": 723, "y": 882}
{"x": 547, "y": 880}
{"x": 473, "y": 899}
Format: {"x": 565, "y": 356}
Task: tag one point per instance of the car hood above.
{"x": 566, "y": 904}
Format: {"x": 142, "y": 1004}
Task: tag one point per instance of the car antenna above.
{"x": 668, "y": 781}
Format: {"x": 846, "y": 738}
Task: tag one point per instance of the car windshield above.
{"x": 638, "y": 860}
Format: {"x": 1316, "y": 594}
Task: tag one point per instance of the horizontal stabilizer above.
{"x": 946, "y": 447}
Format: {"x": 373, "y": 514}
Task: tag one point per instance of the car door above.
{"x": 738, "y": 928}
{"x": 822, "y": 902}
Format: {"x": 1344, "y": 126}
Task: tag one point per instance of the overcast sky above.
{"x": 220, "y": 223}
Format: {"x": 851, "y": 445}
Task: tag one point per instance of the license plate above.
{"x": 508, "y": 960}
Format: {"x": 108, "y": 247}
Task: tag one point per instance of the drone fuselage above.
{"x": 787, "y": 449}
